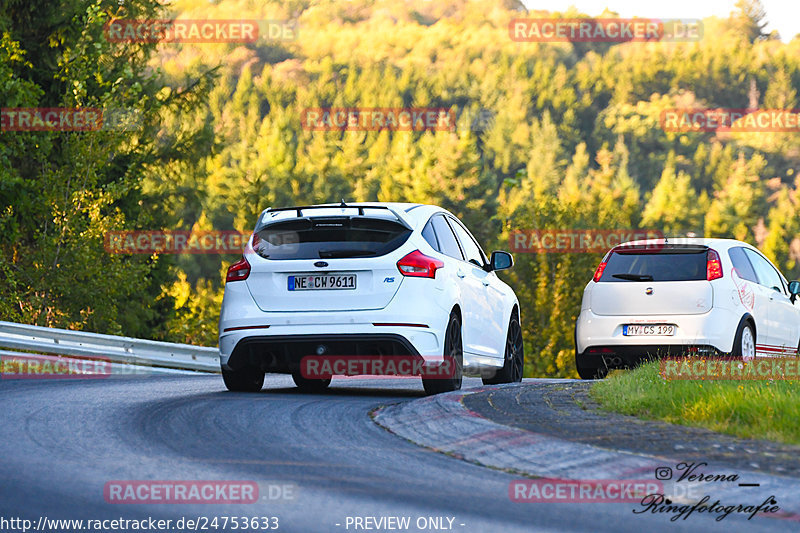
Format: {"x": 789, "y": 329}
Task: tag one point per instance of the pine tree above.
{"x": 673, "y": 206}
{"x": 735, "y": 207}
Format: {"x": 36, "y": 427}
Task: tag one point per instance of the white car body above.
{"x": 387, "y": 311}
{"x": 706, "y": 315}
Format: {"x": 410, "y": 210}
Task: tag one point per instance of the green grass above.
{"x": 749, "y": 409}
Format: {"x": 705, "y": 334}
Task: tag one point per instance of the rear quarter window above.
{"x": 742, "y": 265}
{"x": 430, "y": 236}
{"x": 447, "y": 241}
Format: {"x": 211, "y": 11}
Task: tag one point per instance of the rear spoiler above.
{"x": 299, "y": 210}
{"x": 660, "y": 247}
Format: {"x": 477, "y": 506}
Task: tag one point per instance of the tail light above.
{"x": 599, "y": 272}
{"x": 238, "y": 271}
{"x": 599, "y": 350}
{"x": 713, "y": 265}
{"x": 418, "y": 265}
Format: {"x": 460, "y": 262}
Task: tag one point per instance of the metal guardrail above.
{"x": 112, "y": 347}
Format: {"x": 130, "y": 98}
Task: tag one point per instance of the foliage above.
{"x": 570, "y": 138}
{"x": 755, "y": 409}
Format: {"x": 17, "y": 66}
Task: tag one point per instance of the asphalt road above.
{"x": 61, "y": 441}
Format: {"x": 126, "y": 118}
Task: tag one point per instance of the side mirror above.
{"x": 794, "y": 289}
{"x": 500, "y": 261}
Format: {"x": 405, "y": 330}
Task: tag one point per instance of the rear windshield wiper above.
{"x": 327, "y": 254}
{"x": 634, "y": 277}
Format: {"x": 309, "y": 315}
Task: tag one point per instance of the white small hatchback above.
{"x": 672, "y": 297}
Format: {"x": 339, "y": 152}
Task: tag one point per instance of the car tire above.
{"x": 245, "y": 379}
{"x": 514, "y": 359}
{"x": 744, "y": 344}
{"x": 310, "y": 385}
{"x": 585, "y": 371}
{"x": 590, "y": 372}
{"x": 454, "y": 354}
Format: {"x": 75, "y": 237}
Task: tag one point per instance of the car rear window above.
{"x": 665, "y": 265}
{"x": 330, "y": 238}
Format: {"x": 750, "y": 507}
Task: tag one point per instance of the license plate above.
{"x": 648, "y": 329}
{"x": 325, "y": 282}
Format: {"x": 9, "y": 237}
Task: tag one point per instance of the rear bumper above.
{"x": 408, "y": 325}
{"x": 619, "y": 356}
{"x": 714, "y": 331}
{"x": 284, "y": 353}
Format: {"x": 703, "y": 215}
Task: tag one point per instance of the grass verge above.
{"x": 749, "y": 409}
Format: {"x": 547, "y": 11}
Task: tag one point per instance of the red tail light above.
{"x": 599, "y": 272}
{"x": 418, "y": 265}
{"x": 238, "y": 271}
{"x": 713, "y": 265}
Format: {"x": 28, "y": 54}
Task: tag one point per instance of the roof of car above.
{"x": 414, "y": 213}
{"x": 697, "y": 241}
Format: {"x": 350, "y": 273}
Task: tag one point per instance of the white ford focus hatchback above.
{"x": 703, "y": 296}
{"x": 369, "y": 280}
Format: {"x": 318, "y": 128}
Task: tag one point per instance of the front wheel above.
{"x": 245, "y": 379}
{"x": 514, "y": 360}
{"x": 453, "y": 361}
{"x": 744, "y": 344}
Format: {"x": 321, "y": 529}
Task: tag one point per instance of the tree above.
{"x": 673, "y": 206}
{"x": 783, "y": 234}
{"x": 735, "y": 207}
{"x": 62, "y": 191}
{"x": 749, "y": 19}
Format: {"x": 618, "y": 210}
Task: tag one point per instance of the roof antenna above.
{"x": 343, "y": 204}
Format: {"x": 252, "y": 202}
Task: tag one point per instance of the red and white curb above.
{"x": 442, "y": 423}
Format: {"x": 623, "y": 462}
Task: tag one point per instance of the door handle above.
{"x": 460, "y": 273}
{"x": 485, "y": 283}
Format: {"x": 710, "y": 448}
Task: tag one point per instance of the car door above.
{"x": 786, "y": 321}
{"x": 781, "y": 313}
{"x": 749, "y": 291}
{"x": 479, "y": 281}
{"x": 470, "y": 308}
